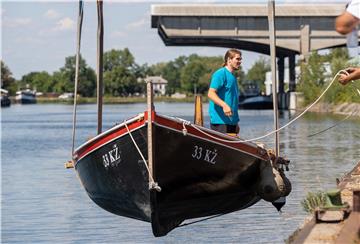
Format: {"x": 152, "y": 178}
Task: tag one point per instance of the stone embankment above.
{"x": 342, "y": 230}
{"x": 343, "y": 109}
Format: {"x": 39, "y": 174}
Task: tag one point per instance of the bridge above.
{"x": 300, "y": 28}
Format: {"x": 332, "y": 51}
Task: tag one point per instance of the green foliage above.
{"x": 40, "y": 81}
{"x": 171, "y": 71}
{"x": 121, "y": 82}
{"x": 258, "y": 71}
{"x": 115, "y": 58}
{"x": 312, "y": 77}
{"x": 313, "y": 201}
{"x": 7, "y": 81}
{"x": 66, "y": 77}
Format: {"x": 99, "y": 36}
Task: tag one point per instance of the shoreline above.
{"x": 339, "y": 109}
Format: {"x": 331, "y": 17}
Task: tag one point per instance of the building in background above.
{"x": 159, "y": 84}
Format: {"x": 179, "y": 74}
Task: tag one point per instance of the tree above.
{"x": 65, "y": 78}
{"x": 257, "y": 73}
{"x": 172, "y": 73}
{"x": 7, "y": 81}
{"x": 312, "y": 77}
{"x": 121, "y": 82}
{"x": 115, "y": 58}
{"x": 191, "y": 73}
{"x": 41, "y": 81}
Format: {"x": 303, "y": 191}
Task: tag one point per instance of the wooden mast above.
{"x": 99, "y": 64}
{"x": 271, "y": 20}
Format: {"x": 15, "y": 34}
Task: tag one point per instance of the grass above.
{"x": 313, "y": 201}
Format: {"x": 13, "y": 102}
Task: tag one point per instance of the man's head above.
{"x": 232, "y": 59}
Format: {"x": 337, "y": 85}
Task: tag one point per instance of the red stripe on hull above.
{"x": 176, "y": 125}
{"x": 106, "y": 137}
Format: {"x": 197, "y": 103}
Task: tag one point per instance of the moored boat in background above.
{"x": 251, "y": 98}
{"x": 25, "y": 96}
{"x": 5, "y": 100}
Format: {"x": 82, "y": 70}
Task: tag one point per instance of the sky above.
{"x": 39, "y": 35}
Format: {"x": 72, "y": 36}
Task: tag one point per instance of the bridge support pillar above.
{"x": 305, "y": 41}
{"x": 292, "y": 75}
{"x": 281, "y": 94}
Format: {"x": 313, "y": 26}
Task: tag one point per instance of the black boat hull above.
{"x": 198, "y": 176}
{"x": 256, "y": 102}
{"x": 5, "y": 101}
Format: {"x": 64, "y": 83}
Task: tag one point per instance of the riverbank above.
{"x": 335, "y": 230}
{"x": 342, "y": 109}
{"x": 112, "y": 100}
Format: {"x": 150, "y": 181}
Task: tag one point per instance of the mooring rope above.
{"x": 281, "y": 128}
{"x": 334, "y": 125}
{"x": 153, "y": 184}
{"x": 80, "y": 19}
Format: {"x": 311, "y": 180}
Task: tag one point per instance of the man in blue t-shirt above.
{"x": 224, "y": 95}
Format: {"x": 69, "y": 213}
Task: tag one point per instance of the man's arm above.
{"x": 217, "y": 100}
{"x": 345, "y": 23}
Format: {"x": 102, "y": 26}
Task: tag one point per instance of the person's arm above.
{"x": 354, "y": 74}
{"x": 217, "y": 100}
{"x": 345, "y": 23}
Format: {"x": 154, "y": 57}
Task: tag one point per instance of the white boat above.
{"x": 25, "y": 96}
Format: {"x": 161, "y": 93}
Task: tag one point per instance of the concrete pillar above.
{"x": 281, "y": 94}
{"x": 281, "y": 70}
{"x": 292, "y": 74}
{"x": 305, "y": 41}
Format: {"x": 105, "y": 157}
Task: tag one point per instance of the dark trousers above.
{"x": 224, "y": 128}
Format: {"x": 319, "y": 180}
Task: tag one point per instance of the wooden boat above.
{"x": 165, "y": 170}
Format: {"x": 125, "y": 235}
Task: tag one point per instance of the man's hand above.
{"x": 227, "y": 110}
{"x": 344, "y": 79}
{"x": 217, "y": 100}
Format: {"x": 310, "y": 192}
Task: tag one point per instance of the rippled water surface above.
{"x": 44, "y": 203}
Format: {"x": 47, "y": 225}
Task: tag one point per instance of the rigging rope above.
{"x": 153, "y": 184}
{"x": 284, "y": 126}
{"x": 80, "y": 19}
{"x": 334, "y": 125}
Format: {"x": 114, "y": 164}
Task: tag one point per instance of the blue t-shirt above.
{"x": 227, "y": 89}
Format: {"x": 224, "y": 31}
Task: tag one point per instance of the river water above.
{"x": 42, "y": 202}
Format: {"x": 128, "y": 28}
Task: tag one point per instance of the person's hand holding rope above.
{"x": 350, "y": 74}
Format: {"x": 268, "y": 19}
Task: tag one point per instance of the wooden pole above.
{"x": 150, "y": 108}
{"x": 99, "y": 66}
{"x": 198, "y": 117}
{"x": 271, "y": 20}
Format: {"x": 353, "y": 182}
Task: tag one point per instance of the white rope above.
{"x": 355, "y": 87}
{"x": 79, "y": 27}
{"x": 153, "y": 184}
{"x": 284, "y": 126}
